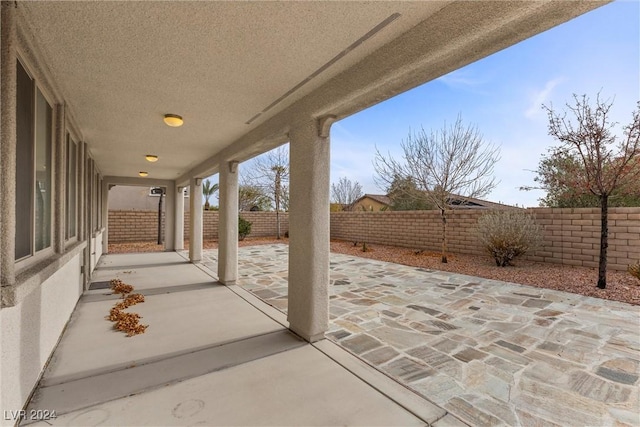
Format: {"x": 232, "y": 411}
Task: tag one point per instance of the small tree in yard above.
{"x": 244, "y": 228}
{"x": 208, "y": 190}
{"x": 588, "y": 136}
{"x": 345, "y": 192}
{"x": 270, "y": 172}
{"x": 452, "y": 161}
{"x": 508, "y": 234}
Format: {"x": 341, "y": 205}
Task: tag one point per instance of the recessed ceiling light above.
{"x": 151, "y": 158}
{"x": 143, "y": 173}
{"x": 173, "y": 120}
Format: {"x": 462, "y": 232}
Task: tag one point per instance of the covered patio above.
{"x": 92, "y": 96}
{"x": 212, "y": 355}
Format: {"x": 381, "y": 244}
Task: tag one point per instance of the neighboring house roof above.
{"x": 462, "y": 202}
{"x": 455, "y": 202}
{"x": 380, "y": 198}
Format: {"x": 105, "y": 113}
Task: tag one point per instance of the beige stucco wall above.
{"x": 30, "y": 331}
{"x": 369, "y": 205}
{"x": 128, "y": 197}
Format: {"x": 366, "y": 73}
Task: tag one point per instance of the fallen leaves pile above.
{"x": 126, "y": 322}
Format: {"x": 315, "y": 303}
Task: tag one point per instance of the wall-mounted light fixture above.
{"x": 173, "y": 120}
{"x": 151, "y": 158}
{"x": 143, "y": 173}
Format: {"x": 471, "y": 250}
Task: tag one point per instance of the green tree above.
{"x": 452, "y": 161}
{"x": 588, "y": 161}
{"x": 208, "y": 190}
{"x": 560, "y": 175}
{"x": 405, "y": 195}
{"x": 252, "y": 197}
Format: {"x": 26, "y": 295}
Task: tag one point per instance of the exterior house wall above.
{"x": 127, "y": 197}
{"x": 367, "y": 204}
{"x": 30, "y": 332}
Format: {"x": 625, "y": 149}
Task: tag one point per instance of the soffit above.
{"x": 120, "y": 66}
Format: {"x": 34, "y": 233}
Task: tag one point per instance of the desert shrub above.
{"x": 634, "y": 270}
{"x": 244, "y": 228}
{"x": 508, "y": 234}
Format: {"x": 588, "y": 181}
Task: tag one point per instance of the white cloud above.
{"x": 540, "y": 97}
{"x": 464, "y": 79}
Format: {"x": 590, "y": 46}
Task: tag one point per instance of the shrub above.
{"x": 244, "y": 228}
{"x": 508, "y": 234}
{"x": 634, "y": 270}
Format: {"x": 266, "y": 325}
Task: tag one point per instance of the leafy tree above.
{"x": 588, "y": 136}
{"x": 250, "y": 197}
{"x": 270, "y": 172}
{"x": 345, "y": 192}
{"x": 405, "y": 195}
{"x": 557, "y": 175}
{"x": 453, "y": 160}
{"x": 208, "y": 190}
{"x": 244, "y": 228}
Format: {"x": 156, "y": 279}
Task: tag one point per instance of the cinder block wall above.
{"x": 571, "y": 236}
{"x": 134, "y": 226}
{"x": 141, "y": 226}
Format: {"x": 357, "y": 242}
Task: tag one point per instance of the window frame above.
{"x": 37, "y": 255}
{"x": 71, "y": 201}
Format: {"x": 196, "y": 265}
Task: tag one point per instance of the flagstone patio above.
{"x": 489, "y": 352}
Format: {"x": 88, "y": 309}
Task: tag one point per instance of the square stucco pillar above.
{"x": 179, "y": 224}
{"x": 8, "y": 144}
{"x": 228, "y": 224}
{"x": 170, "y": 217}
{"x": 309, "y": 231}
{"x": 195, "y": 217}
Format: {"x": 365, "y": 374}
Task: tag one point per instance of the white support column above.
{"x": 170, "y": 217}
{"x": 309, "y": 230}
{"x": 195, "y": 216}
{"x": 104, "y": 193}
{"x": 228, "y": 224}
{"x": 179, "y": 224}
{"x": 59, "y": 183}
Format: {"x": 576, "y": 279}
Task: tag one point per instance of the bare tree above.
{"x": 444, "y": 163}
{"x": 270, "y": 172}
{"x": 345, "y": 192}
{"x": 588, "y": 134}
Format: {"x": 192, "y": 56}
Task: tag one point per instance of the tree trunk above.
{"x": 444, "y": 236}
{"x": 278, "y": 186}
{"x": 604, "y": 241}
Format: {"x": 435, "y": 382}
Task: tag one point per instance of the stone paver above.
{"x": 490, "y": 352}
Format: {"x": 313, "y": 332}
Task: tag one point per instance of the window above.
{"x": 72, "y": 182}
{"x": 34, "y": 121}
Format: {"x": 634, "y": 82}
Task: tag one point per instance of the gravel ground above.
{"x": 621, "y": 286}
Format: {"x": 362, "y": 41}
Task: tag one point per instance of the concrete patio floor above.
{"x": 212, "y": 355}
{"x": 489, "y": 352}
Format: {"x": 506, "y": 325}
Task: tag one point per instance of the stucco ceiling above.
{"x": 230, "y": 67}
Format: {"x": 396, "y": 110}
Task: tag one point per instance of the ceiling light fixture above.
{"x": 143, "y": 173}
{"x": 151, "y": 158}
{"x": 173, "y": 120}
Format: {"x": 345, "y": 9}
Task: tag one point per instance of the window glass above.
{"x": 71, "y": 197}
{"x": 24, "y": 162}
{"x": 43, "y": 199}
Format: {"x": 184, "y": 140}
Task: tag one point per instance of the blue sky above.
{"x": 503, "y": 95}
